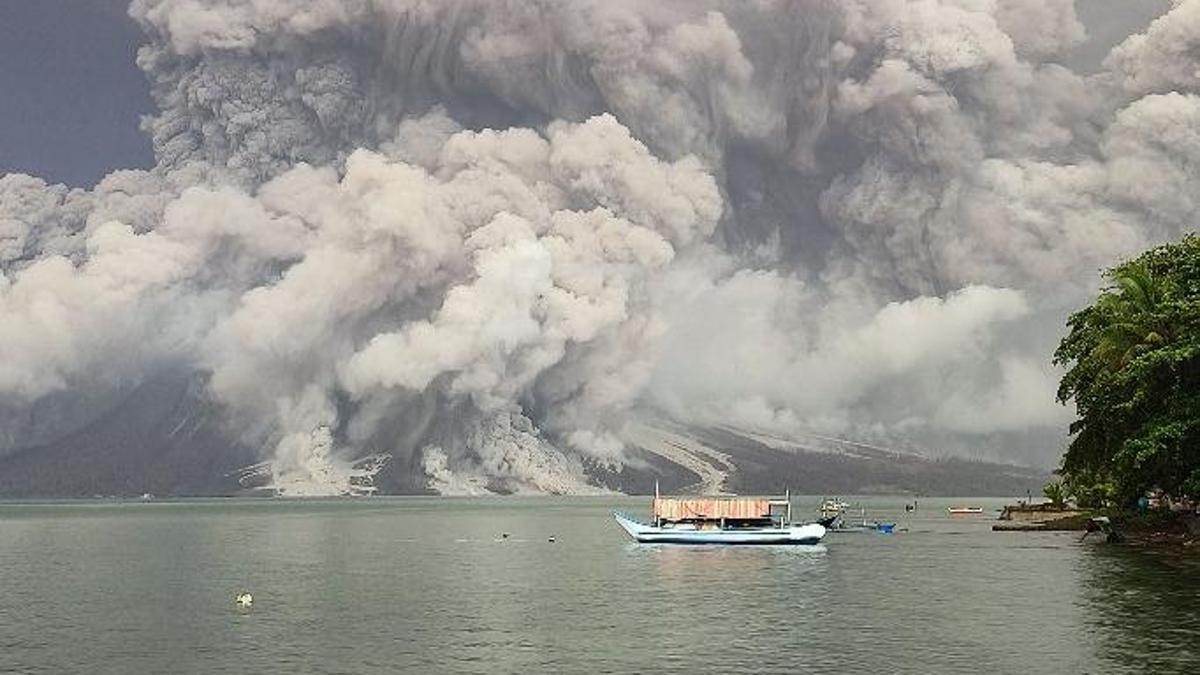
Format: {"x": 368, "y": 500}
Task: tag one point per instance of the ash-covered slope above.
{"x": 731, "y": 460}
{"x": 163, "y": 438}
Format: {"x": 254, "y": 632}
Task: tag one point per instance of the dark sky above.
{"x": 70, "y": 93}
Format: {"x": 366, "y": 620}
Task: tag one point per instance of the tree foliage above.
{"x": 1133, "y": 372}
{"x": 1056, "y": 492}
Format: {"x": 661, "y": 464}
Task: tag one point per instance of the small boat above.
{"x": 841, "y": 525}
{"x": 687, "y": 533}
{"x": 964, "y": 510}
{"x": 833, "y": 506}
{"x": 720, "y": 520}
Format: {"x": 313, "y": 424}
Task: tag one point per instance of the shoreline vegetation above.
{"x": 1156, "y": 527}
{"x": 1162, "y": 525}
{"x": 1132, "y": 371}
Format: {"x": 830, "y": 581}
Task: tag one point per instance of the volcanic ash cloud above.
{"x": 476, "y": 237}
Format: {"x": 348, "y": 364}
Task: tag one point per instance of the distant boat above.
{"x": 964, "y": 510}
{"x": 720, "y": 520}
{"x": 839, "y": 524}
{"x": 833, "y": 506}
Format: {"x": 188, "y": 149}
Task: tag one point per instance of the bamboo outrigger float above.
{"x": 720, "y": 520}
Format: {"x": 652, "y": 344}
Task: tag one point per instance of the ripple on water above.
{"x": 421, "y": 585}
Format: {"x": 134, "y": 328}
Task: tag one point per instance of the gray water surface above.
{"x": 389, "y": 585}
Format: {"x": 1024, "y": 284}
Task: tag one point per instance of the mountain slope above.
{"x": 163, "y": 439}
{"x": 738, "y": 461}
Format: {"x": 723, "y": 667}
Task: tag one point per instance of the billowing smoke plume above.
{"x": 484, "y": 235}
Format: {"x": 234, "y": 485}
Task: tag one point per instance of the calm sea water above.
{"x": 387, "y": 585}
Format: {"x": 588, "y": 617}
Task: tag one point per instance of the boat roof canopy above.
{"x": 684, "y": 508}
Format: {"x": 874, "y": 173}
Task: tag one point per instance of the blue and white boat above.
{"x": 838, "y": 523}
{"x": 720, "y": 520}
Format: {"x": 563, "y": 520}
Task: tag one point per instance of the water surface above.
{"x": 387, "y": 585}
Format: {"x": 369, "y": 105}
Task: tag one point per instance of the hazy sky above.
{"x": 70, "y": 93}
{"x": 1108, "y": 22}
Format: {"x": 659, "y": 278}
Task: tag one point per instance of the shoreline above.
{"x": 1136, "y": 529}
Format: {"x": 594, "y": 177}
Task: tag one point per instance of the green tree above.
{"x": 1056, "y": 492}
{"x": 1133, "y": 372}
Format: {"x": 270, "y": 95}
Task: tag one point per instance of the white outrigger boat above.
{"x": 720, "y": 520}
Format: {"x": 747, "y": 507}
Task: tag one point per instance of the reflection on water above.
{"x": 430, "y": 585}
{"x": 1144, "y": 607}
{"x": 759, "y": 590}
{"x": 687, "y": 563}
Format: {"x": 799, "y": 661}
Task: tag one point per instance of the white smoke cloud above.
{"x": 482, "y": 233}
{"x": 1040, "y": 28}
{"x": 1163, "y": 58}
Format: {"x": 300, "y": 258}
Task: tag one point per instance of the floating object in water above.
{"x": 720, "y": 520}
{"x": 833, "y": 507}
{"x": 839, "y": 522}
{"x": 504, "y": 535}
{"x": 551, "y": 539}
{"x": 863, "y": 526}
{"x": 688, "y": 533}
{"x": 964, "y": 510}
{"x": 243, "y": 599}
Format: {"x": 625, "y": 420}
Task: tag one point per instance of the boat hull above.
{"x": 787, "y": 536}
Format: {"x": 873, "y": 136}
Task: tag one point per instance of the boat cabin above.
{"x": 720, "y": 513}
